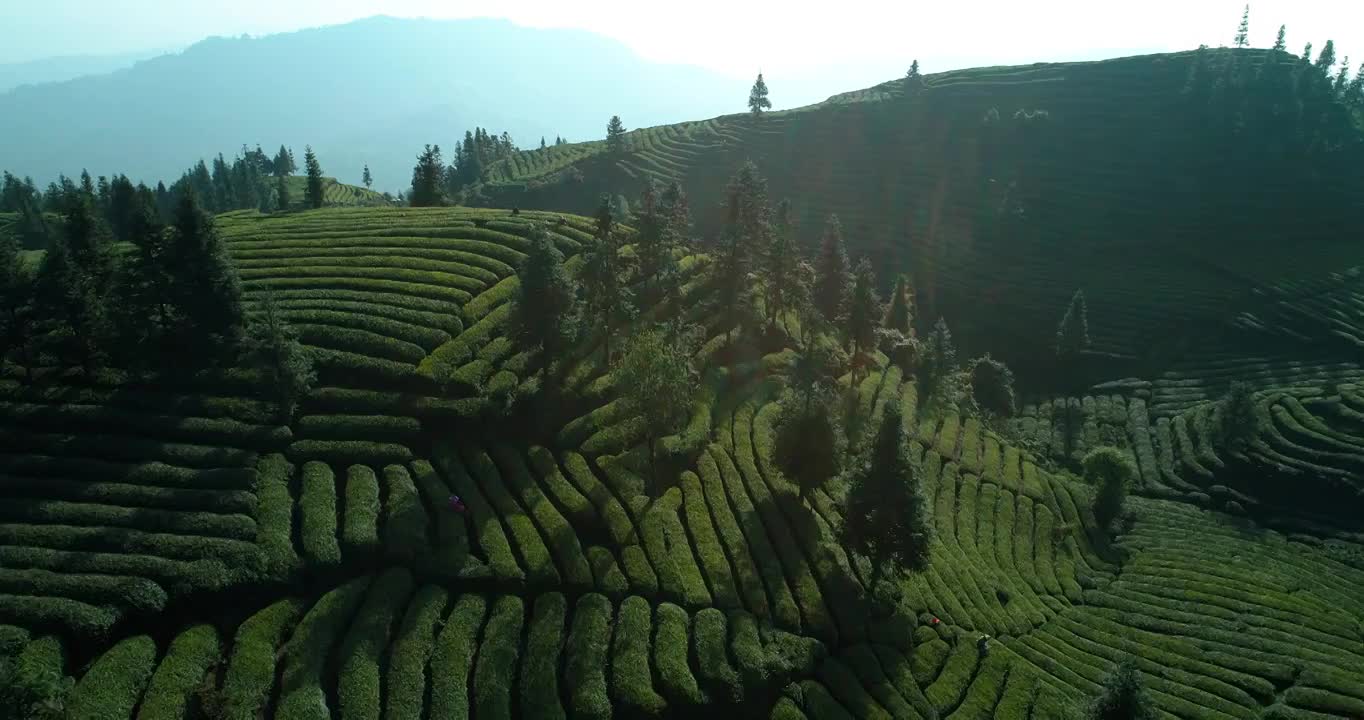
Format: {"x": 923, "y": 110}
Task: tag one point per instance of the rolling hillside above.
{"x": 1003, "y": 190}
{"x": 175, "y": 550}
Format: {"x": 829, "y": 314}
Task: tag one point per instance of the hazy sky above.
{"x": 733, "y": 36}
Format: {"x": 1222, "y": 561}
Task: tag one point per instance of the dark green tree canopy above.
{"x": 607, "y": 300}
{"x": 1072, "y": 334}
{"x": 206, "y": 290}
{"x": 313, "y": 193}
{"x": 272, "y": 347}
{"x": 615, "y": 136}
{"x": 757, "y": 97}
{"x": 1109, "y": 471}
{"x": 807, "y": 441}
{"x": 865, "y": 312}
{"x": 428, "y": 179}
{"x": 887, "y": 516}
{"x": 1281, "y": 41}
{"x": 745, "y": 237}
{"x": 658, "y": 386}
{"x": 992, "y": 386}
{"x": 833, "y": 273}
{"x": 900, "y": 313}
{"x": 1122, "y": 696}
{"x": 544, "y": 313}
{"x": 1243, "y": 30}
{"x": 366, "y": 177}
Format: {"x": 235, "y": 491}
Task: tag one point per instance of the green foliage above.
{"x": 1110, "y": 471}
{"x": 110, "y": 689}
{"x": 585, "y": 668}
{"x": 659, "y": 385}
{"x": 833, "y": 273}
{"x": 544, "y": 314}
{"x": 428, "y": 179}
{"x": 406, "y": 681}
{"x": 360, "y": 531}
{"x": 1122, "y": 696}
{"x": 992, "y": 386}
{"x": 313, "y": 195}
{"x": 366, "y": 643}
{"x": 745, "y": 237}
{"x": 900, "y": 312}
{"x": 631, "y": 680}
{"x": 32, "y": 686}
{"x": 807, "y": 442}
{"x": 539, "y": 677}
{"x": 887, "y": 514}
{"x": 404, "y": 521}
{"x": 191, "y": 655}
{"x": 251, "y": 669}
{"x": 1243, "y": 30}
{"x": 615, "y": 136}
{"x": 939, "y": 382}
{"x": 305, "y": 655}
{"x": 670, "y": 656}
{"x": 205, "y": 289}
{"x": 864, "y": 311}
{"x": 717, "y": 674}
{"x": 453, "y": 660}
{"x": 607, "y": 299}
{"x": 757, "y": 97}
{"x": 1072, "y": 334}
{"x": 782, "y": 269}
{"x": 318, "y": 503}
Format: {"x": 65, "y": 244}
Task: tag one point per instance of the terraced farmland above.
{"x": 1015, "y": 210}
{"x": 174, "y": 550}
{"x": 334, "y": 193}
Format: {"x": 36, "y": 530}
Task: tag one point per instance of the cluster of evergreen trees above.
{"x": 120, "y": 287}
{"x": 434, "y": 183}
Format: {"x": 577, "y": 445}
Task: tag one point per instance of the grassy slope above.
{"x": 1112, "y": 192}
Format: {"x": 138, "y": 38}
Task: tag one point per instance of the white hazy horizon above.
{"x": 861, "y": 41}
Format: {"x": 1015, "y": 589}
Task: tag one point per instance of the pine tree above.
{"x": 1243, "y": 31}
{"x": 1281, "y": 42}
{"x": 744, "y": 236}
{"x": 780, "y": 265}
{"x": 543, "y": 314}
{"x": 992, "y": 387}
{"x": 1110, "y": 471}
{"x": 1122, "y": 696}
{"x": 659, "y": 386}
{"x": 206, "y": 290}
{"x": 284, "y": 163}
{"x": 913, "y": 79}
{"x": 272, "y": 347}
{"x": 1237, "y": 424}
{"x": 757, "y": 97}
{"x": 807, "y": 442}
{"x": 312, "y": 194}
{"x": 606, "y": 298}
{"x": 865, "y": 311}
{"x": 282, "y": 198}
{"x": 900, "y": 314}
{"x": 886, "y": 519}
{"x": 428, "y": 179}
{"x": 650, "y": 241}
{"x": 542, "y": 142}
{"x": 146, "y": 286}
{"x": 615, "y": 136}
{"x": 1342, "y": 78}
{"x": 73, "y": 284}
{"x": 1354, "y": 92}
{"x": 1327, "y": 59}
{"x": 18, "y": 316}
{"x": 937, "y": 384}
{"x": 833, "y": 286}
{"x": 366, "y": 177}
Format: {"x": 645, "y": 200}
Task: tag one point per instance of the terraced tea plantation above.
{"x": 177, "y": 553}
{"x": 1003, "y": 190}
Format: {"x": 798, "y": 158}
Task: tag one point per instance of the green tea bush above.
{"x": 715, "y": 672}
{"x": 452, "y": 662}
{"x": 670, "y": 656}
{"x": 585, "y": 667}
{"x": 606, "y": 573}
{"x": 360, "y": 342}
{"x": 385, "y": 428}
{"x": 251, "y": 669}
{"x": 617, "y": 521}
{"x": 57, "y": 512}
{"x": 358, "y": 682}
{"x": 80, "y": 618}
{"x": 133, "y": 594}
{"x": 112, "y": 686}
{"x": 495, "y": 673}
{"x": 349, "y": 452}
{"x": 862, "y": 660}
{"x": 275, "y": 519}
{"x": 305, "y": 655}
{"x": 153, "y": 474}
{"x": 707, "y": 543}
{"x": 539, "y": 567}
{"x": 631, "y": 679}
{"x": 844, "y": 685}
{"x": 563, "y": 542}
{"x": 445, "y": 359}
{"x": 318, "y": 503}
{"x": 639, "y": 571}
{"x": 204, "y": 553}
{"x": 405, "y": 522}
{"x": 127, "y": 448}
{"x": 143, "y": 496}
{"x": 360, "y": 532}
{"x": 491, "y": 537}
{"x": 947, "y": 691}
{"x": 576, "y": 507}
{"x": 406, "y": 680}
{"x": 819, "y": 703}
{"x": 539, "y": 678}
{"x": 678, "y": 575}
{"x": 95, "y": 419}
{"x": 783, "y": 603}
{"x": 190, "y": 657}
{"x": 732, "y": 538}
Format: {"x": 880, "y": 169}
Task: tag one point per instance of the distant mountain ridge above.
{"x": 368, "y": 92}
{"x": 67, "y": 67}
